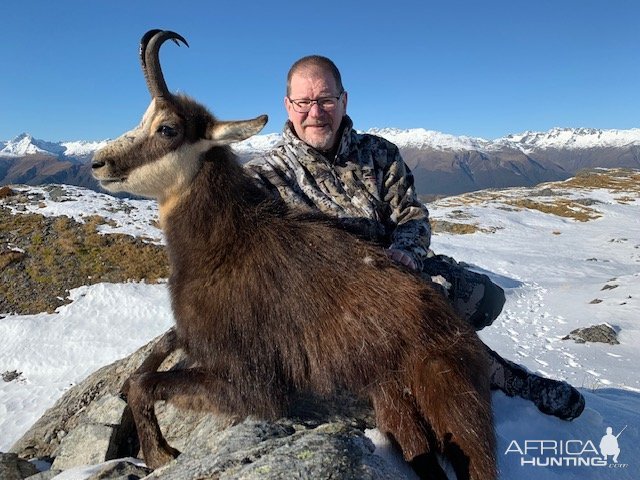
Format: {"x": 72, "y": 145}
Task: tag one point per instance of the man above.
{"x": 324, "y": 164}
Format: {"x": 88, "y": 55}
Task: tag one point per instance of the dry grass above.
{"x": 61, "y": 254}
{"x": 472, "y": 198}
{"x": 625, "y": 199}
{"x": 623, "y": 181}
{"x": 445, "y": 226}
{"x": 560, "y": 207}
{"x": 554, "y": 198}
{"x": 616, "y": 180}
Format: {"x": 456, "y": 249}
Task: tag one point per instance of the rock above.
{"x": 323, "y": 438}
{"x": 57, "y": 193}
{"x": 102, "y": 435}
{"x": 262, "y": 450}
{"x": 10, "y": 376}
{"x": 544, "y": 192}
{"x": 14, "y": 468}
{"x": 597, "y": 333}
{"x": 122, "y": 470}
{"x": 86, "y": 444}
{"x": 6, "y": 192}
{"x": 108, "y": 410}
{"x": 46, "y": 475}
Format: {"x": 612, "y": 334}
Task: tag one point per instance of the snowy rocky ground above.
{"x": 567, "y": 254}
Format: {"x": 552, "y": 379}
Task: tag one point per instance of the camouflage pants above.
{"x": 473, "y": 295}
{"x": 479, "y": 301}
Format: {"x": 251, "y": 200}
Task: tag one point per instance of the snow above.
{"x": 25, "y": 144}
{"x": 104, "y": 322}
{"x": 573, "y": 139}
{"x": 79, "y": 149}
{"x": 258, "y": 143}
{"x": 421, "y": 138}
{"x": 527, "y": 142}
{"x": 80, "y": 473}
{"x": 551, "y": 268}
{"x": 137, "y": 218}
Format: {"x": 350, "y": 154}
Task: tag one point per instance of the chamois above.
{"x": 270, "y": 301}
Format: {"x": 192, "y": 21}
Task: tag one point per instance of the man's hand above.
{"x": 401, "y": 257}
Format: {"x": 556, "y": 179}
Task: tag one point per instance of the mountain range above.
{"x": 442, "y": 164}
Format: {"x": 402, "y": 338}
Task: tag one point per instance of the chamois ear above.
{"x": 224, "y": 133}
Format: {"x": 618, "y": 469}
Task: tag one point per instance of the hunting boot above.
{"x": 473, "y": 295}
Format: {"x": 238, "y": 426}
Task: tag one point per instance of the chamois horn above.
{"x": 149, "y": 48}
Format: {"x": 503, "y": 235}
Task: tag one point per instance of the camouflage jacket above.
{"x": 367, "y": 184}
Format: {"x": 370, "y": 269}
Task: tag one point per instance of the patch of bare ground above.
{"x": 559, "y": 198}
{"x": 561, "y": 207}
{"x": 42, "y": 258}
{"x": 445, "y": 226}
{"x": 620, "y": 180}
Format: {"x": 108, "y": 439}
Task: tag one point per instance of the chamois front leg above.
{"x": 164, "y": 347}
{"x": 193, "y": 388}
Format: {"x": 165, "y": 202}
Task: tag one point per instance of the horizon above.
{"x": 380, "y": 131}
{"x": 462, "y": 68}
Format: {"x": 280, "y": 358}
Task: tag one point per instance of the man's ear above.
{"x": 288, "y": 106}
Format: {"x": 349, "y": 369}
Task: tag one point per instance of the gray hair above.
{"x": 317, "y": 61}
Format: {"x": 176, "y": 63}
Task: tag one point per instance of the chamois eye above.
{"x": 167, "y": 131}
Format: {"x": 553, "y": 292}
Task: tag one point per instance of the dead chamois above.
{"x": 269, "y": 301}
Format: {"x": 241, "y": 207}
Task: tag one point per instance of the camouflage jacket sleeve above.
{"x": 412, "y": 233}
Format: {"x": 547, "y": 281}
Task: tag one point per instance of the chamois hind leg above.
{"x": 452, "y": 392}
{"x": 397, "y": 416}
{"x": 195, "y": 388}
{"x": 166, "y": 345}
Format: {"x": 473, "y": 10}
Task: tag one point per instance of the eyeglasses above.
{"x": 304, "y": 105}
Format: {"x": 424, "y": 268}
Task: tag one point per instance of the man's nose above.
{"x": 316, "y": 111}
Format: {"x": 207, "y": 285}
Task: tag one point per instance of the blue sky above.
{"x": 69, "y": 69}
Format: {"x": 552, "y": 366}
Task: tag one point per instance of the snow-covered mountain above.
{"x": 421, "y": 138}
{"x": 442, "y": 164}
{"x": 258, "y": 143}
{"x": 573, "y": 139}
{"x": 25, "y": 144}
{"x": 556, "y": 138}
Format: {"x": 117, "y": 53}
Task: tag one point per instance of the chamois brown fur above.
{"x": 270, "y": 302}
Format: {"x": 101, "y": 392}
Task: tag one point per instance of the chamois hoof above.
{"x": 161, "y": 456}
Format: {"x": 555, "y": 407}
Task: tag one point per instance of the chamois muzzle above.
{"x": 149, "y": 48}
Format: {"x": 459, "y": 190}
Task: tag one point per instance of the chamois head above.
{"x": 160, "y": 157}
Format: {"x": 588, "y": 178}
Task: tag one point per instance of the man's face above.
{"x": 318, "y": 128}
